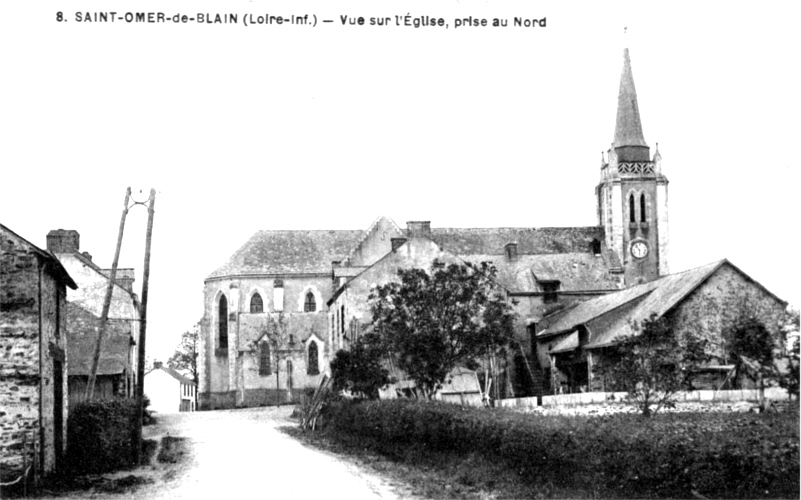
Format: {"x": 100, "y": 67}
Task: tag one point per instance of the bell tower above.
{"x": 632, "y": 193}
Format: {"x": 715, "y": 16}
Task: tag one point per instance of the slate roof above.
{"x": 172, "y": 372}
{"x": 628, "y": 127}
{"x": 491, "y": 241}
{"x": 113, "y": 356}
{"x": 312, "y": 251}
{"x": 290, "y": 252}
{"x": 575, "y": 271}
{"x": 635, "y": 304}
{"x": 58, "y": 268}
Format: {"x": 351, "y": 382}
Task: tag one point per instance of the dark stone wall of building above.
{"x": 723, "y": 298}
{"x": 19, "y": 356}
{"x": 32, "y": 334}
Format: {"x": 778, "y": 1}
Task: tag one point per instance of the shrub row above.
{"x": 101, "y": 435}
{"x": 672, "y": 455}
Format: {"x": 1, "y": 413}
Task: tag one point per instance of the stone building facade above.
{"x": 264, "y": 330}
{"x": 33, "y": 358}
{"x": 116, "y": 374}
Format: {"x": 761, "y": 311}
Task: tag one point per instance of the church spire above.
{"x": 629, "y": 141}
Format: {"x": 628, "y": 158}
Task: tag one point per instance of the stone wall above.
{"x": 616, "y": 399}
{"x": 723, "y": 298}
{"x": 19, "y": 355}
{"x": 32, "y": 336}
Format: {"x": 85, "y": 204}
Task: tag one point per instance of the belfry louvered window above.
{"x": 643, "y": 213}
{"x": 632, "y": 213}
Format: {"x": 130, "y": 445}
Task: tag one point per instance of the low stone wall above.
{"x": 216, "y": 400}
{"x": 596, "y": 398}
{"x": 253, "y": 398}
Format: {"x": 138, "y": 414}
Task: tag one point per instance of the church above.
{"x": 286, "y": 301}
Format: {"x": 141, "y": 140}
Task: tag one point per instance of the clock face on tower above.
{"x": 639, "y": 249}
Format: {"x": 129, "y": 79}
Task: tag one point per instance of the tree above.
{"x": 360, "y": 370}
{"x": 751, "y": 346}
{"x": 431, "y": 322}
{"x": 185, "y": 356}
{"x": 652, "y": 364}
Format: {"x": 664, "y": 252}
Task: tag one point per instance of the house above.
{"x": 168, "y": 390}
{"x": 33, "y": 358}
{"x": 707, "y": 299}
{"x": 117, "y": 367}
{"x": 318, "y": 282}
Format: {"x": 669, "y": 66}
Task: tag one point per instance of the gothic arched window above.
{"x": 222, "y": 325}
{"x": 313, "y": 367}
{"x": 310, "y": 305}
{"x": 643, "y": 217}
{"x": 264, "y": 359}
{"x": 632, "y": 215}
{"x": 256, "y": 303}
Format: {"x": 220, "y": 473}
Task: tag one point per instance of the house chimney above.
{"x": 511, "y": 251}
{"x": 125, "y": 277}
{"x": 157, "y": 364}
{"x": 417, "y": 229}
{"x": 63, "y": 241}
{"x": 397, "y": 243}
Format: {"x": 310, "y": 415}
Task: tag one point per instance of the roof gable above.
{"x": 375, "y": 243}
{"x": 417, "y": 253}
{"x": 172, "y": 372}
{"x": 58, "y": 270}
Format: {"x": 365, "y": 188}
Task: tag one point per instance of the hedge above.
{"x": 101, "y": 435}
{"x": 717, "y": 455}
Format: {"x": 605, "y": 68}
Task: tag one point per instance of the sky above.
{"x": 241, "y": 128}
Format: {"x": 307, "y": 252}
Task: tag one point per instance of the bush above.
{"x": 671, "y": 455}
{"x": 101, "y": 435}
{"x": 360, "y": 369}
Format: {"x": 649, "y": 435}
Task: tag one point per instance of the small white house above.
{"x": 168, "y": 390}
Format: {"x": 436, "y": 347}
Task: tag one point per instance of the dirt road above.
{"x": 242, "y": 454}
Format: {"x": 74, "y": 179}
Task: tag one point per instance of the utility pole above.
{"x": 90, "y": 386}
{"x": 140, "y": 381}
